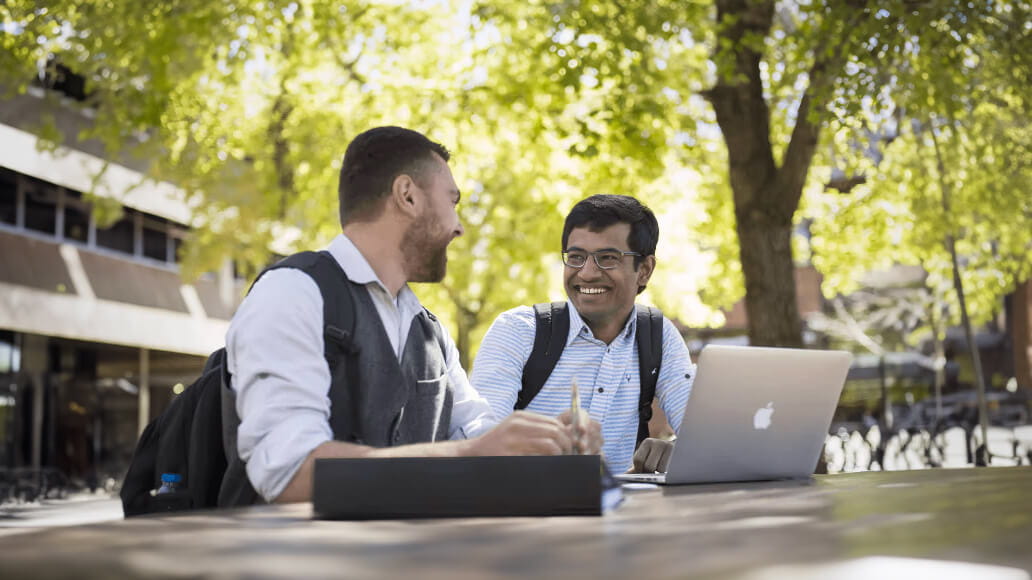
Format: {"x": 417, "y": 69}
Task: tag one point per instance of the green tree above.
{"x": 942, "y": 169}
{"x": 782, "y": 76}
{"x": 247, "y": 107}
{"x": 951, "y": 194}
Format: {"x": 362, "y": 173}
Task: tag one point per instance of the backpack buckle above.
{"x": 342, "y": 338}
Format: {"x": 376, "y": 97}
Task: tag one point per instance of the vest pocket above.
{"x": 429, "y": 393}
{"x": 427, "y": 400}
{"x": 431, "y": 386}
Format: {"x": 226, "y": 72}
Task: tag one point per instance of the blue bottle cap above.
{"x": 171, "y": 478}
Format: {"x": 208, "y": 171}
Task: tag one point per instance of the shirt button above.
{"x": 601, "y": 390}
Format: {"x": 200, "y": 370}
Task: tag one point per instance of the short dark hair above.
{"x": 374, "y": 160}
{"x": 601, "y": 211}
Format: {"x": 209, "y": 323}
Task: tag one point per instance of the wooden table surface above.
{"x": 830, "y": 526}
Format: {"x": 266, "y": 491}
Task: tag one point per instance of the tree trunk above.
{"x": 982, "y": 457}
{"x": 765, "y": 251}
{"x": 940, "y": 363}
{"x": 765, "y": 195}
{"x": 982, "y": 453}
{"x": 466, "y": 321}
{"x": 1021, "y": 333}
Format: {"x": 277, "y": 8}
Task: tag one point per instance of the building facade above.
{"x": 98, "y": 331}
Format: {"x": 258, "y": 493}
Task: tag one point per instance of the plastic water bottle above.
{"x": 169, "y": 482}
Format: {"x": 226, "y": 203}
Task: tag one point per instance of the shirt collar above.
{"x": 359, "y": 271}
{"x": 577, "y": 324}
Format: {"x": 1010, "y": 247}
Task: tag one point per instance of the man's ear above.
{"x": 404, "y": 195}
{"x": 645, "y": 269}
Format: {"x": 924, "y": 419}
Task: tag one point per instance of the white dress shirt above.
{"x": 274, "y": 350}
{"x": 607, "y": 376}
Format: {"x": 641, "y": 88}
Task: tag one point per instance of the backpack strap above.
{"x": 550, "y": 333}
{"x": 649, "y": 336}
{"x": 338, "y": 328}
{"x": 335, "y": 288}
{"x": 339, "y": 345}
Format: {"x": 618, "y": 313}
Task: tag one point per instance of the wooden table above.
{"x": 826, "y": 527}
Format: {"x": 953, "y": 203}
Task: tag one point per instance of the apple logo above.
{"x": 761, "y": 420}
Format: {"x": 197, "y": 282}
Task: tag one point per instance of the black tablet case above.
{"x": 429, "y": 487}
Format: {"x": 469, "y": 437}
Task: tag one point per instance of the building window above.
{"x": 177, "y": 248}
{"x": 76, "y": 217}
{"x": 8, "y": 198}
{"x": 119, "y": 236}
{"x": 41, "y": 207}
{"x": 155, "y": 239}
{"x": 26, "y": 202}
{"x": 10, "y": 353}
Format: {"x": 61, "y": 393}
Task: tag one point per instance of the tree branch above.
{"x": 737, "y": 97}
{"x": 845, "y": 184}
{"x": 350, "y": 66}
{"x": 282, "y": 108}
{"x": 854, "y": 329}
{"x": 796, "y": 164}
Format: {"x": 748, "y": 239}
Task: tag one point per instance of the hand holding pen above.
{"x": 585, "y": 433}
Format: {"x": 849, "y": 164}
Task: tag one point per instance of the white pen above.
{"x": 575, "y": 414}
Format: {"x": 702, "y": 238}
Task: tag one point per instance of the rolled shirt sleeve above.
{"x": 498, "y": 370}
{"x": 275, "y": 355}
{"x": 471, "y": 414}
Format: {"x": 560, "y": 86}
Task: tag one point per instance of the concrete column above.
{"x": 226, "y": 284}
{"x": 34, "y": 363}
{"x": 144, "y": 384}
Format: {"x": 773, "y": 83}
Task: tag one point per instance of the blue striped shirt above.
{"x": 606, "y": 374}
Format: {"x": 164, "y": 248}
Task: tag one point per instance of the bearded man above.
{"x": 410, "y": 396}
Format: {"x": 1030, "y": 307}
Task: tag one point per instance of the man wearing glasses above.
{"x": 609, "y": 246}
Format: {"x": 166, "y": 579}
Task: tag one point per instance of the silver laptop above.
{"x": 755, "y": 413}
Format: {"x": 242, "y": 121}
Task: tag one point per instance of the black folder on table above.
{"x": 427, "y": 487}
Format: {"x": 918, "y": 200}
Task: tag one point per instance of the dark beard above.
{"x": 426, "y": 258}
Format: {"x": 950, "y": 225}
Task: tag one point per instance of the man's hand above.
{"x": 524, "y": 433}
{"x": 588, "y": 439}
{"x": 652, "y": 455}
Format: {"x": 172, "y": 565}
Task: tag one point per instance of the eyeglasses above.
{"x": 604, "y": 259}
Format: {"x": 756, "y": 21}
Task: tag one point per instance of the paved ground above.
{"x": 76, "y": 509}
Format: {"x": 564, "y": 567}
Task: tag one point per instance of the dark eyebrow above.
{"x": 579, "y": 249}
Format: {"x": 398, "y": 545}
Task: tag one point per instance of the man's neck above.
{"x": 376, "y": 243}
{"x": 608, "y": 332}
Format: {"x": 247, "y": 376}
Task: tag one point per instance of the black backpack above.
{"x": 195, "y": 437}
{"x": 550, "y": 334}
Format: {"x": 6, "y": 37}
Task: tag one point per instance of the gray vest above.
{"x": 392, "y": 402}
